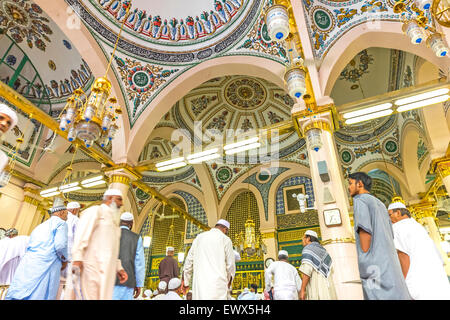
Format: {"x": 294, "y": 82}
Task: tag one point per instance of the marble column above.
{"x": 330, "y": 194}
{"x": 269, "y": 238}
{"x": 29, "y": 214}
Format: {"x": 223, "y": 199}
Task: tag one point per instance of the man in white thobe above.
{"x": 73, "y": 210}
{"x": 210, "y": 264}
{"x": 174, "y": 290}
{"x": 421, "y": 262}
{"x": 95, "y": 251}
{"x": 286, "y": 281}
{"x": 8, "y": 120}
{"x": 11, "y": 252}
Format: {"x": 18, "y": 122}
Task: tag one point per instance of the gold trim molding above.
{"x": 31, "y": 200}
{"x": 117, "y": 178}
{"x": 339, "y": 240}
{"x": 268, "y": 235}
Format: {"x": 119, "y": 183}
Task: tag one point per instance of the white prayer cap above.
{"x": 113, "y": 192}
{"x": 58, "y": 205}
{"x": 10, "y": 113}
{"x": 237, "y": 256}
{"x": 224, "y": 223}
{"x": 162, "y": 285}
{"x": 311, "y": 233}
{"x": 283, "y": 253}
{"x": 148, "y": 293}
{"x": 73, "y": 205}
{"x": 127, "y": 216}
{"x": 396, "y": 205}
{"x": 155, "y": 292}
{"x": 174, "y": 283}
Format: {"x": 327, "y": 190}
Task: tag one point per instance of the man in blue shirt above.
{"x": 131, "y": 255}
{"x": 379, "y": 267}
{"x": 37, "y": 276}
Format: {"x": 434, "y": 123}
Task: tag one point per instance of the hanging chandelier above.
{"x": 93, "y": 119}
{"x": 420, "y": 25}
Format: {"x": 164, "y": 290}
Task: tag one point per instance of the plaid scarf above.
{"x": 316, "y": 255}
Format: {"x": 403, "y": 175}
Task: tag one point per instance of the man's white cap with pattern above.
{"x": 148, "y": 293}
{"x": 311, "y": 233}
{"x": 73, "y": 205}
{"x": 127, "y": 216}
{"x": 155, "y": 292}
{"x": 113, "y": 192}
{"x": 224, "y": 223}
{"x": 283, "y": 253}
{"x": 10, "y": 113}
{"x": 396, "y": 205}
{"x": 162, "y": 285}
{"x": 174, "y": 283}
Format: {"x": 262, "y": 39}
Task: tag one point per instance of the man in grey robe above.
{"x": 379, "y": 267}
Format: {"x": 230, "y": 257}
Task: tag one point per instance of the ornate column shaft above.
{"x": 270, "y": 240}
{"x": 29, "y": 213}
{"x": 330, "y": 196}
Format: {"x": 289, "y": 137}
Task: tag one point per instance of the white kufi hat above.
{"x": 127, "y": 216}
{"x": 224, "y": 223}
{"x": 9, "y": 112}
{"x": 162, "y": 285}
{"x": 73, "y": 205}
{"x": 396, "y": 205}
{"x": 174, "y": 283}
{"x": 283, "y": 253}
{"x": 311, "y": 233}
{"x": 113, "y": 192}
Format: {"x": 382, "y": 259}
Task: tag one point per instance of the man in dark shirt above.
{"x": 168, "y": 267}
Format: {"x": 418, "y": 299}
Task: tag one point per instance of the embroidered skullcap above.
{"x": 113, "y": 192}
{"x": 10, "y": 113}
{"x": 127, "y": 216}
{"x": 311, "y": 233}
{"x": 224, "y": 223}
{"x": 11, "y": 232}
{"x": 174, "y": 283}
{"x": 396, "y": 205}
{"x": 58, "y": 205}
{"x": 73, "y": 205}
{"x": 162, "y": 285}
{"x": 148, "y": 293}
{"x": 155, "y": 292}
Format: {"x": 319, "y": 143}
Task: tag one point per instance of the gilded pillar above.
{"x": 29, "y": 213}
{"x": 331, "y": 200}
{"x": 443, "y": 169}
{"x": 270, "y": 240}
{"x": 426, "y": 215}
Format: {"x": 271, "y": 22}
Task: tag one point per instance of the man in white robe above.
{"x": 162, "y": 289}
{"x": 421, "y": 262}
{"x": 8, "y": 120}
{"x": 95, "y": 249}
{"x": 286, "y": 281}
{"x": 174, "y": 290}
{"x": 11, "y": 252}
{"x": 210, "y": 264}
{"x": 73, "y": 210}
{"x": 37, "y": 276}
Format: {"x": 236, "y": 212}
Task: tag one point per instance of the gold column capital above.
{"x": 122, "y": 173}
{"x": 268, "y": 235}
{"x": 31, "y": 200}
{"x": 443, "y": 168}
{"x": 118, "y": 178}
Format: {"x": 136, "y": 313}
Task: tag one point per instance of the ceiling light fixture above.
{"x": 168, "y": 162}
{"x": 243, "y": 148}
{"x": 240, "y": 143}
{"x": 92, "y": 184}
{"x": 423, "y": 103}
{"x": 369, "y": 116}
{"x": 205, "y": 158}
{"x": 201, "y": 154}
{"x": 51, "y": 194}
{"x": 89, "y": 180}
{"x": 172, "y": 166}
{"x": 422, "y": 96}
{"x": 365, "y": 111}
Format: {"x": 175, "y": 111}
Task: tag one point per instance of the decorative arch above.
{"x": 78, "y": 34}
{"x": 388, "y": 35}
{"x": 230, "y": 65}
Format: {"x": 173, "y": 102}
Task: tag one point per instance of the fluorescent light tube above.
{"x": 367, "y": 110}
{"x": 50, "y": 194}
{"x": 369, "y": 116}
{"x": 205, "y": 158}
{"x": 243, "y": 148}
{"x": 240, "y": 143}
{"x": 423, "y": 103}
{"x": 172, "y": 166}
{"x": 165, "y": 163}
{"x": 51, "y": 190}
{"x": 70, "y": 189}
{"x": 201, "y": 154}
{"x": 91, "y": 179}
{"x": 91, "y": 184}
{"x": 422, "y": 96}
{"x": 68, "y": 186}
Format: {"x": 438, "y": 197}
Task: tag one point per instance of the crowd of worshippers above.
{"x": 96, "y": 256}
